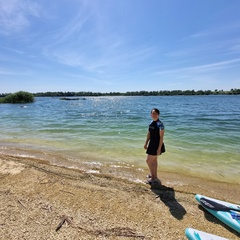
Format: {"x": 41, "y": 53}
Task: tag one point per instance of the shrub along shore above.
{"x": 18, "y": 97}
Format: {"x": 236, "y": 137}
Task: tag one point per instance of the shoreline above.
{"x": 37, "y": 196}
{"x": 132, "y": 169}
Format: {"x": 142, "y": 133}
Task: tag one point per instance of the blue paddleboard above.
{"x": 229, "y": 217}
{"x": 194, "y": 234}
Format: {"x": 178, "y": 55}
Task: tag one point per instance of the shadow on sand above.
{"x": 167, "y": 196}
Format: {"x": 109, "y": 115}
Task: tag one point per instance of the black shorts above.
{"x": 152, "y": 149}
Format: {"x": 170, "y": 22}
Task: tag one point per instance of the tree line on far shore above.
{"x": 29, "y": 97}
{"x": 139, "y": 93}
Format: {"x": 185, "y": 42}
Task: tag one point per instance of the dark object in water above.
{"x": 65, "y": 98}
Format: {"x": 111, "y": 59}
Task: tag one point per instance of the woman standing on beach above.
{"x": 154, "y": 144}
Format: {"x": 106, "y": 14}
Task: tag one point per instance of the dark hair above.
{"x": 155, "y": 110}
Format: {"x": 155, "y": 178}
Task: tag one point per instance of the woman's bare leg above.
{"x": 152, "y": 164}
{"x": 155, "y": 166}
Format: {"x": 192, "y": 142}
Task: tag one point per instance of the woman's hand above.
{"x": 159, "y": 151}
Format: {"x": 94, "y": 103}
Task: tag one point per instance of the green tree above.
{"x": 18, "y": 97}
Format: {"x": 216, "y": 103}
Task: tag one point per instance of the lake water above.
{"x": 202, "y": 133}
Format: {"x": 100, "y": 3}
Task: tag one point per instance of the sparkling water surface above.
{"x": 202, "y": 133}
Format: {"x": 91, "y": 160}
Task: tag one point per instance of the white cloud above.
{"x": 14, "y": 72}
{"x": 202, "y": 68}
{"x": 14, "y": 15}
{"x": 88, "y": 40}
{"x": 13, "y": 50}
{"x": 214, "y": 66}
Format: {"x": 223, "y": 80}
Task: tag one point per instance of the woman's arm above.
{"x": 161, "y": 135}
{"x": 147, "y": 140}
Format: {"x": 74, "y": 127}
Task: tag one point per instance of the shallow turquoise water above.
{"x": 202, "y": 133}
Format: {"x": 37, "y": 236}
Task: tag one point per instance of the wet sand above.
{"x": 43, "y": 201}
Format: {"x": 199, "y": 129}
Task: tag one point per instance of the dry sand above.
{"x": 37, "y": 198}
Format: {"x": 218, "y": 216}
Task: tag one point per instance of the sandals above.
{"x": 152, "y": 182}
{"x": 149, "y": 181}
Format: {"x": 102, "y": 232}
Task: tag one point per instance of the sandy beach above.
{"x": 43, "y": 201}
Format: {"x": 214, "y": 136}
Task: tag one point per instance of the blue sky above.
{"x": 119, "y": 45}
